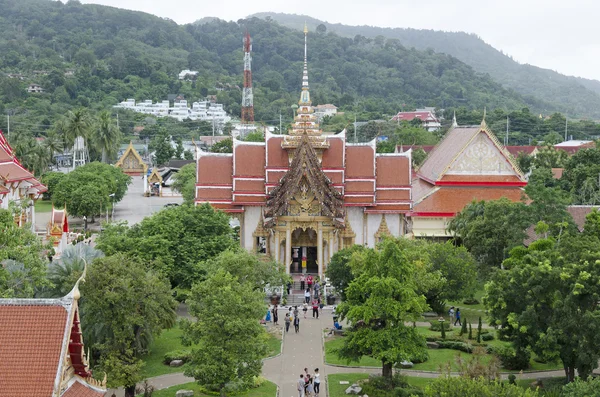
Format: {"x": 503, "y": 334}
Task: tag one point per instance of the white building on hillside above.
{"x": 325, "y": 110}
{"x": 188, "y": 74}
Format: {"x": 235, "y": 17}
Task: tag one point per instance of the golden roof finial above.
{"x": 483, "y": 123}
{"x": 75, "y": 292}
{"x": 305, "y": 28}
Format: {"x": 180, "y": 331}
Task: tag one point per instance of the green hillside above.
{"x": 96, "y": 56}
{"x": 543, "y": 89}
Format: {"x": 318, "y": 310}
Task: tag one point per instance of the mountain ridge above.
{"x": 576, "y": 96}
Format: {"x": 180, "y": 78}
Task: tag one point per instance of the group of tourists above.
{"x": 309, "y": 385}
{"x": 293, "y": 317}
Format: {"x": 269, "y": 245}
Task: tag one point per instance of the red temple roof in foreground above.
{"x": 11, "y": 169}
{"x": 38, "y": 339}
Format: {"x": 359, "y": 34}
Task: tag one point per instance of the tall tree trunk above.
{"x": 130, "y": 391}
{"x": 569, "y": 373}
{"x": 387, "y": 370}
{"x": 104, "y": 156}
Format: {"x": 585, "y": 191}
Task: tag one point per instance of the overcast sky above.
{"x": 563, "y": 35}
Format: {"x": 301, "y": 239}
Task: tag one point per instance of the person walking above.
{"x": 275, "y": 314}
{"x": 315, "y": 307}
{"x": 297, "y": 324}
{"x": 317, "y": 289}
{"x": 310, "y": 390}
{"x": 302, "y": 282}
{"x": 296, "y": 312}
{"x": 289, "y": 287}
{"x": 287, "y": 322}
{"x": 300, "y": 386}
{"x": 307, "y": 295}
{"x": 317, "y": 381}
{"x": 457, "y": 317}
{"x": 451, "y": 314}
{"x": 309, "y": 281}
{"x": 305, "y": 309}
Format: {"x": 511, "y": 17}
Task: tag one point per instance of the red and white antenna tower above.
{"x": 247, "y": 97}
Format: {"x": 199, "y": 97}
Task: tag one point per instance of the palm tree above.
{"x": 107, "y": 135}
{"x": 41, "y": 157}
{"x": 64, "y": 272}
{"x": 78, "y": 124}
{"x": 53, "y": 144}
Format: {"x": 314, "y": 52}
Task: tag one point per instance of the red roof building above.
{"x": 516, "y": 150}
{"x": 573, "y": 146}
{"x": 303, "y": 196}
{"x": 41, "y": 349}
{"x": 428, "y": 119}
{"x": 468, "y": 164}
{"x": 17, "y": 183}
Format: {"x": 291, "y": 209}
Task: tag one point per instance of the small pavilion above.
{"x": 131, "y": 162}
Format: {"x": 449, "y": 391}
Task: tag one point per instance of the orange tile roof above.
{"x": 31, "y": 340}
{"x": 557, "y": 173}
{"x": 78, "y": 389}
{"x": 451, "y": 200}
{"x": 480, "y": 178}
{"x": 12, "y": 171}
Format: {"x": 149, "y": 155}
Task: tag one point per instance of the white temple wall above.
{"x": 373, "y": 222}
{"x": 251, "y": 218}
{"x": 355, "y": 217}
{"x": 394, "y": 224}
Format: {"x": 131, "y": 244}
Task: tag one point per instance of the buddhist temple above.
{"x": 131, "y": 162}
{"x": 17, "y": 185}
{"x": 58, "y": 229}
{"x": 468, "y": 164}
{"x": 41, "y": 349}
{"x": 303, "y": 196}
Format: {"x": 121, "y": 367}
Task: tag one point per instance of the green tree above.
{"x": 107, "y": 135}
{"x": 231, "y": 341}
{"x": 339, "y": 271}
{"x": 255, "y": 136}
{"x": 580, "y": 387}
{"x": 128, "y": 305}
{"x": 22, "y": 259}
{"x": 489, "y": 229}
{"x": 184, "y": 182}
{"x": 175, "y": 241}
{"x": 378, "y": 303}
{"x": 163, "y": 151}
{"x": 86, "y": 190}
{"x": 78, "y": 123}
{"x": 51, "y": 180}
{"x": 548, "y": 301}
{"x": 224, "y": 146}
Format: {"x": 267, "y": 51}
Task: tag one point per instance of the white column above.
{"x": 32, "y": 209}
{"x": 288, "y": 249}
{"x": 145, "y": 183}
{"x": 277, "y": 243}
{"x": 331, "y": 241}
{"x": 320, "y": 251}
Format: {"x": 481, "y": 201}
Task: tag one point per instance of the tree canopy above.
{"x": 380, "y": 299}
{"x": 184, "y": 181}
{"x": 174, "y": 241}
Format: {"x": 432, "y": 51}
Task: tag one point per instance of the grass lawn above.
{"x": 170, "y": 340}
{"x": 437, "y": 357}
{"x": 268, "y": 389}
{"x": 43, "y": 206}
{"x": 337, "y": 390}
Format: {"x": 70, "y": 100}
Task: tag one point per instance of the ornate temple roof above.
{"x": 305, "y": 166}
{"x": 11, "y": 170}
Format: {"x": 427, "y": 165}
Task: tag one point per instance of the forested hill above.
{"x": 109, "y": 54}
{"x": 542, "y": 88}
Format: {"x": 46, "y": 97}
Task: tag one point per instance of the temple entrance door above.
{"x": 304, "y": 251}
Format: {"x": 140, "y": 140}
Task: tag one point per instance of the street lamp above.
{"x": 112, "y": 213}
{"x": 85, "y": 224}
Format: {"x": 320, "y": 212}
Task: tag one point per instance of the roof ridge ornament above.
{"x": 483, "y": 123}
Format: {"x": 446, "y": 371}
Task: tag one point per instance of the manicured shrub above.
{"x": 183, "y": 355}
{"x": 461, "y": 346}
{"x": 487, "y": 337}
{"x": 513, "y": 359}
{"x": 436, "y": 325}
{"x": 470, "y": 332}
{"x": 479, "y": 326}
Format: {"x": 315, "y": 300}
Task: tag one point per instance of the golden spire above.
{"x": 483, "y": 123}
{"x": 305, "y": 28}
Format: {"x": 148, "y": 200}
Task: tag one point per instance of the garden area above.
{"x": 443, "y": 352}
{"x": 264, "y": 389}
{"x": 168, "y": 347}
{"x": 415, "y": 386}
